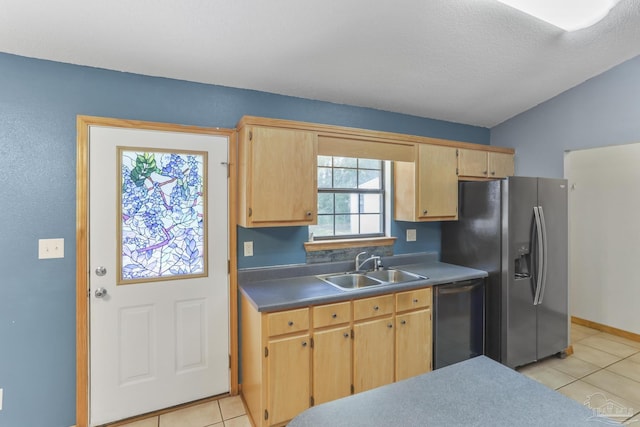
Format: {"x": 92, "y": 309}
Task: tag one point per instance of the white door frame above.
{"x": 82, "y": 248}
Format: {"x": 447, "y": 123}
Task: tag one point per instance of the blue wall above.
{"x": 39, "y": 101}
{"x": 604, "y": 110}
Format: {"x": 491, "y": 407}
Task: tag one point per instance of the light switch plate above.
{"x": 411, "y": 235}
{"x": 50, "y": 248}
{"x": 248, "y": 248}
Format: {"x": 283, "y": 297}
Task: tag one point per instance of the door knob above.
{"x": 100, "y": 292}
{"x": 101, "y": 271}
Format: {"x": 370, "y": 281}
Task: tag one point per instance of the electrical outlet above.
{"x": 50, "y": 248}
{"x": 248, "y": 248}
{"x": 411, "y": 235}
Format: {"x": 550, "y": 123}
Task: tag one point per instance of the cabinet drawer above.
{"x": 285, "y": 322}
{"x": 331, "y": 314}
{"x": 409, "y": 300}
{"x": 372, "y": 307}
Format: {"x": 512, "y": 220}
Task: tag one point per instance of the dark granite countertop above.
{"x": 280, "y": 288}
{"x": 476, "y": 392}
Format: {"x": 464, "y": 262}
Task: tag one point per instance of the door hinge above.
{"x": 250, "y": 212}
{"x": 229, "y": 361}
{"x": 457, "y": 152}
{"x": 228, "y": 266}
{"x": 353, "y": 390}
{"x": 250, "y": 136}
{"x": 311, "y": 401}
{"x": 352, "y": 334}
{"x": 312, "y": 343}
{"x": 266, "y": 352}
{"x": 457, "y": 171}
{"x": 266, "y": 414}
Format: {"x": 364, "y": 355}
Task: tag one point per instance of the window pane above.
{"x": 325, "y": 203}
{"x": 347, "y": 224}
{"x": 346, "y": 203}
{"x": 350, "y": 197}
{"x": 345, "y": 178}
{"x": 345, "y": 162}
{"x": 324, "y": 160}
{"x": 325, "y": 178}
{"x": 369, "y": 179}
{"x": 369, "y": 164}
{"x": 324, "y": 227}
{"x": 370, "y": 203}
{"x": 370, "y": 224}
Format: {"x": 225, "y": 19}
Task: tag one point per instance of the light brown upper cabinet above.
{"x": 277, "y": 169}
{"x": 500, "y": 165}
{"x": 484, "y": 164}
{"x": 277, "y": 177}
{"x": 427, "y": 189}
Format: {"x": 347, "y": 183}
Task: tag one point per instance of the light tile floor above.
{"x": 603, "y": 372}
{"x": 226, "y": 412}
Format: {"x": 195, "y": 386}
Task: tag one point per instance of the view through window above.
{"x": 350, "y": 198}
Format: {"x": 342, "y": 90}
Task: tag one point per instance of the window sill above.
{"x": 325, "y": 245}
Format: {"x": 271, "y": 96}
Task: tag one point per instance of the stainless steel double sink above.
{"x": 357, "y": 279}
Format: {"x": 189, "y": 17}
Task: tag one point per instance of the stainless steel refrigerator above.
{"x": 516, "y": 230}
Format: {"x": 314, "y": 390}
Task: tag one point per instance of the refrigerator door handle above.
{"x": 540, "y": 255}
{"x": 544, "y": 256}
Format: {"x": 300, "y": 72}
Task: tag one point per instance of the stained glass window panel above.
{"x": 162, "y": 224}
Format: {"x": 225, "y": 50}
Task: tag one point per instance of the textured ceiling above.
{"x": 477, "y": 62}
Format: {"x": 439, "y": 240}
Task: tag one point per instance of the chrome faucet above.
{"x": 377, "y": 262}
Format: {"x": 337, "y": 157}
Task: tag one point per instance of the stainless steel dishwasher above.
{"x": 458, "y": 321}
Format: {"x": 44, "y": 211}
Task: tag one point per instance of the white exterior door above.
{"x": 158, "y": 234}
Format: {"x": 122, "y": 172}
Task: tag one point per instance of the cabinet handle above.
{"x": 346, "y": 335}
{"x": 334, "y": 315}
{"x": 376, "y": 308}
{"x": 304, "y": 343}
{"x": 309, "y": 213}
{"x": 424, "y": 212}
{"x": 390, "y": 325}
{"x": 290, "y": 323}
{"x": 415, "y": 301}
{"x": 493, "y": 172}
{"x": 403, "y": 322}
{"x": 484, "y": 172}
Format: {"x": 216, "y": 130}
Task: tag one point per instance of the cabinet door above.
{"x": 373, "y": 354}
{"x": 473, "y": 163}
{"x": 438, "y": 182}
{"x": 331, "y": 364}
{"x": 289, "y": 363}
{"x": 500, "y": 165}
{"x": 413, "y": 344}
{"x": 283, "y": 177}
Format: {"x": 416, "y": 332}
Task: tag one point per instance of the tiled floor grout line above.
{"x": 605, "y": 367}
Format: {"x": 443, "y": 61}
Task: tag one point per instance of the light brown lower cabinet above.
{"x": 293, "y": 359}
{"x": 289, "y": 364}
{"x": 413, "y": 344}
{"x": 372, "y": 354}
{"x": 331, "y": 364}
{"x": 413, "y": 333}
